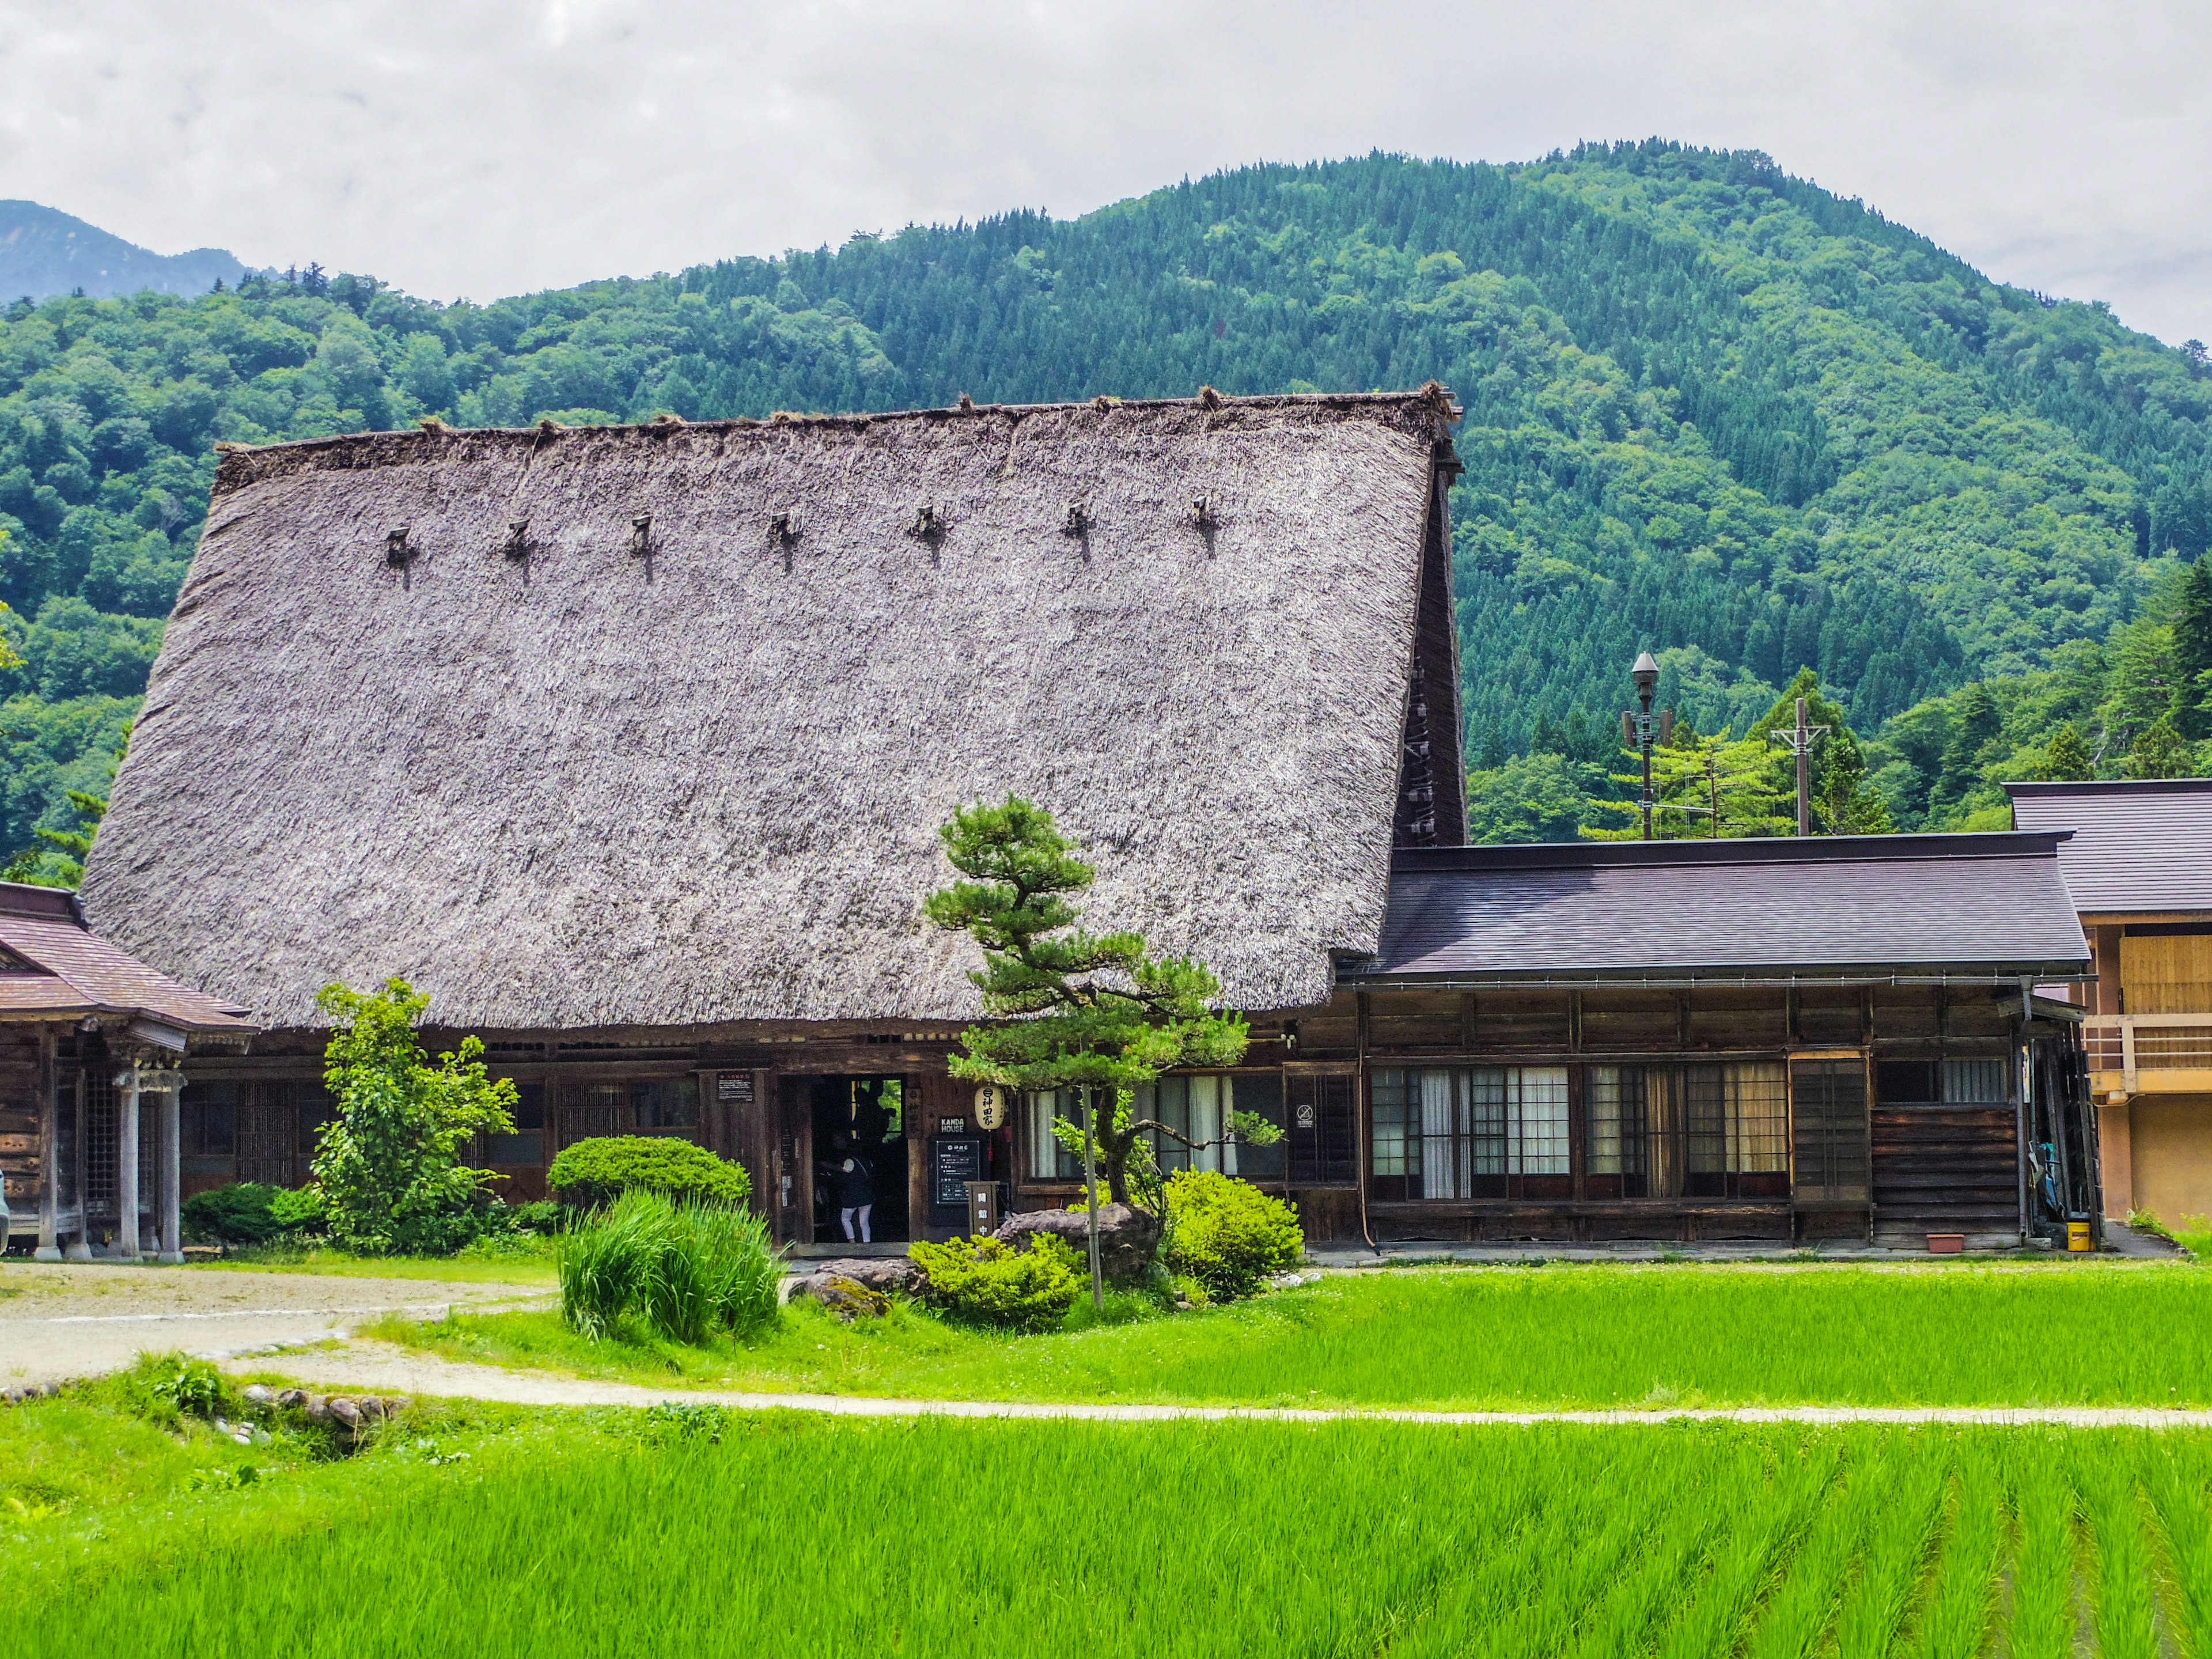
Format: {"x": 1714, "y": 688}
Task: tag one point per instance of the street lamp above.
{"x": 1646, "y": 678}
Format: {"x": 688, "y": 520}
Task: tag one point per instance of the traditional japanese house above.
{"x": 2139, "y": 865}
{"x": 91, "y": 1042}
{"x": 631, "y": 745}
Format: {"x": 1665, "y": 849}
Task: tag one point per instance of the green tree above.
{"x": 1844, "y": 801}
{"x": 389, "y": 1163}
{"x": 1529, "y": 798}
{"x": 2192, "y": 652}
{"x": 1069, "y": 1009}
{"x": 2160, "y": 752}
{"x": 1975, "y": 723}
{"x": 2068, "y": 758}
{"x": 1701, "y": 786}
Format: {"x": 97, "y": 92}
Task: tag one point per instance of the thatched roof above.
{"x": 561, "y": 784}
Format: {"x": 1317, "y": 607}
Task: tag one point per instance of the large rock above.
{"x": 853, "y": 1286}
{"x": 1127, "y": 1237}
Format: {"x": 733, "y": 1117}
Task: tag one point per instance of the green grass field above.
{"x": 2061, "y": 1333}
{"x": 612, "y": 1533}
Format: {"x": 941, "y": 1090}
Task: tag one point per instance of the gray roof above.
{"x": 2136, "y": 846}
{"x": 1821, "y": 906}
{"x": 579, "y": 787}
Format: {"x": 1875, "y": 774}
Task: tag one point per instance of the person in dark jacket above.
{"x": 856, "y": 1190}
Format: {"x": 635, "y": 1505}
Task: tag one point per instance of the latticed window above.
{"x": 100, "y": 1121}
{"x": 1472, "y": 1132}
{"x": 1975, "y": 1083}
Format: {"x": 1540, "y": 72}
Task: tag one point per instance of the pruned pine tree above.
{"x": 1716, "y": 787}
{"x": 1067, "y": 1009}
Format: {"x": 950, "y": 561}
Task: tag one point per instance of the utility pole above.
{"x": 1088, "y": 1096}
{"x": 1799, "y": 741}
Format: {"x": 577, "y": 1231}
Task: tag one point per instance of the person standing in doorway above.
{"x": 856, "y": 1191}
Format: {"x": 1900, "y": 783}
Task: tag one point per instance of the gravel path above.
{"x": 383, "y": 1367}
{"x": 64, "y": 1320}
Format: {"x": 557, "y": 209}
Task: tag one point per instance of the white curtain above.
{"x": 1045, "y": 1148}
{"x": 1538, "y": 1143}
{"x": 1206, "y": 1120}
{"x": 1443, "y": 1152}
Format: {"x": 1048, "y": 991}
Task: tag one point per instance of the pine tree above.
{"x": 2192, "y": 652}
{"x": 2160, "y": 752}
{"x": 2068, "y": 759}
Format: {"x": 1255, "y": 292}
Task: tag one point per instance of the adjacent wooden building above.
{"x": 92, "y": 1043}
{"x": 2138, "y": 862}
{"x": 630, "y": 746}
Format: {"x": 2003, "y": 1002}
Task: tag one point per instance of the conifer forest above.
{"x": 1792, "y": 448}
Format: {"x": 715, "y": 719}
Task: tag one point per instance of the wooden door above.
{"x": 792, "y": 1174}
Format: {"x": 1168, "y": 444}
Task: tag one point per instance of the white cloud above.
{"x": 457, "y": 147}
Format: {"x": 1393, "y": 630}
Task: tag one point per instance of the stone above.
{"x": 846, "y": 1297}
{"x": 318, "y": 1409}
{"x": 884, "y": 1274}
{"x": 1127, "y": 1237}
{"x": 292, "y": 1399}
{"x": 346, "y": 1411}
{"x": 255, "y": 1394}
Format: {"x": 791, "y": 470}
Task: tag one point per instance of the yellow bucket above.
{"x": 2077, "y": 1236}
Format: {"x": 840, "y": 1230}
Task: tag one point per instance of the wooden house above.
{"x": 630, "y": 746}
{"x": 91, "y": 1044}
{"x": 2138, "y": 862}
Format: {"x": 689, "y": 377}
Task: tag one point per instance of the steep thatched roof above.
{"x": 558, "y": 782}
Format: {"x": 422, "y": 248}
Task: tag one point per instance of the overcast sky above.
{"x": 463, "y": 148}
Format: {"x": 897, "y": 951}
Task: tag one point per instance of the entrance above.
{"x": 858, "y": 1120}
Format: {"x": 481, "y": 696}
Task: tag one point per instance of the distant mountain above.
{"x": 44, "y": 251}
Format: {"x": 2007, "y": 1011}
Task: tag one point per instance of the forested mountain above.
{"x": 43, "y": 251}
{"x": 1710, "y": 408}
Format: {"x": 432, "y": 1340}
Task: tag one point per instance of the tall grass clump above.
{"x": 681, "y": 1271}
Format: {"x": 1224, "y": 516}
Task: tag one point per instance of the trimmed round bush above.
{"x": 592, "y": 1174}
{"x": 984, "y": 1281}
{"x": 1227, "y": 1234}
{"x": 250, "y": 1213}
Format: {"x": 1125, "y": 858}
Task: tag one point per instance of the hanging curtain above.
{"x": 1444, "y": 1154}
{"x": 1204, "y": 1120}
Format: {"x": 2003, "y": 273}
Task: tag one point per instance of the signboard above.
{"x": 735, "y": 1088}
{"x": 952, "y": 1126}
{"x": 954, "y": 1161}
{"x": 990, "y": 1107}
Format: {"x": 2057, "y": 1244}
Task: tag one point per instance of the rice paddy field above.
{"x": 620, "y": 1533}
{"x": 2061, "y": 1333}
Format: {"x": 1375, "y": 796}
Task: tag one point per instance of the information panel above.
{"x": 954, "y": 1161}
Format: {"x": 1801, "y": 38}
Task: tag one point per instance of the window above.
{"x": 1688, "y": 1131}
{"x": 1048, "y": 1159}
{"x": 1320, "y": 1126}
{"x": 1198, "y": 1106}
{"x": 1975, "y": 1083}
{"x": 1482, "y": 1132}
{"x": 526, "y": 1146}
{"x": 207, "y": 1114}
{"x": 317, "y": 1106}
{"x": 669, "y": 1103}
{"x": 1831, "y": 1103}
{"x": 1942, "y": 1083}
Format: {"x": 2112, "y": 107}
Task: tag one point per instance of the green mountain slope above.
{"x": 1710, "y": 409}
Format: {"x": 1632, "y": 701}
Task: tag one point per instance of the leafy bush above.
{"x": 983, "y": 1281}
{"x": 389, "y": 1163}
{"x": 1227, "y": 1234}
{"x": 166, "y": 1387}
{"x": 682, "y": 1271}
{"x": 594, "y": 1173}
{"x": 250, "y": 1213}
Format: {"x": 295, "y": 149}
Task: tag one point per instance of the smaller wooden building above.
{"x": 92, "y": 1043}
{"x": 2138, "y": 861}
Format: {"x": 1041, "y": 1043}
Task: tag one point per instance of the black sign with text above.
{"x": 954, "y": 1161}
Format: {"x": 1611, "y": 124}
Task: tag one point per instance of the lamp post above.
{"x": 1646, "y": 678}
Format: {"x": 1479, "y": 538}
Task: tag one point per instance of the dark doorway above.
{"x": 859, "y": 1119}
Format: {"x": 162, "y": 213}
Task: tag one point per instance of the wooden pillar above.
{"x": 126, "y": 1163}
{"x": 168, "y": 1178}
{"x": 50, "y": 1148}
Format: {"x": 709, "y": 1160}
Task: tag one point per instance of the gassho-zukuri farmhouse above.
{"x": 631, "y": 745}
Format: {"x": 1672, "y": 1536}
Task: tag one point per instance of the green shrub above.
{"x": 682, "y": 1271}
{"x": 592, "y": 1174}
{"x": 250, "y": 1212}
{"x": 1227, "y": 1234}
{"x": 983, "y": 1281}
{"x": 165, "y": 1387}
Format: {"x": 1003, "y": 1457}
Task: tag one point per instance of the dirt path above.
{"x": 383, "y": 1367}
{"x": 62, "y": 1320}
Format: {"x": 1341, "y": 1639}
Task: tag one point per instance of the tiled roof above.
{"x": 57, "y": 966}
{"x": 1983, "y": 903}
{"x": 2136, "y": 846}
